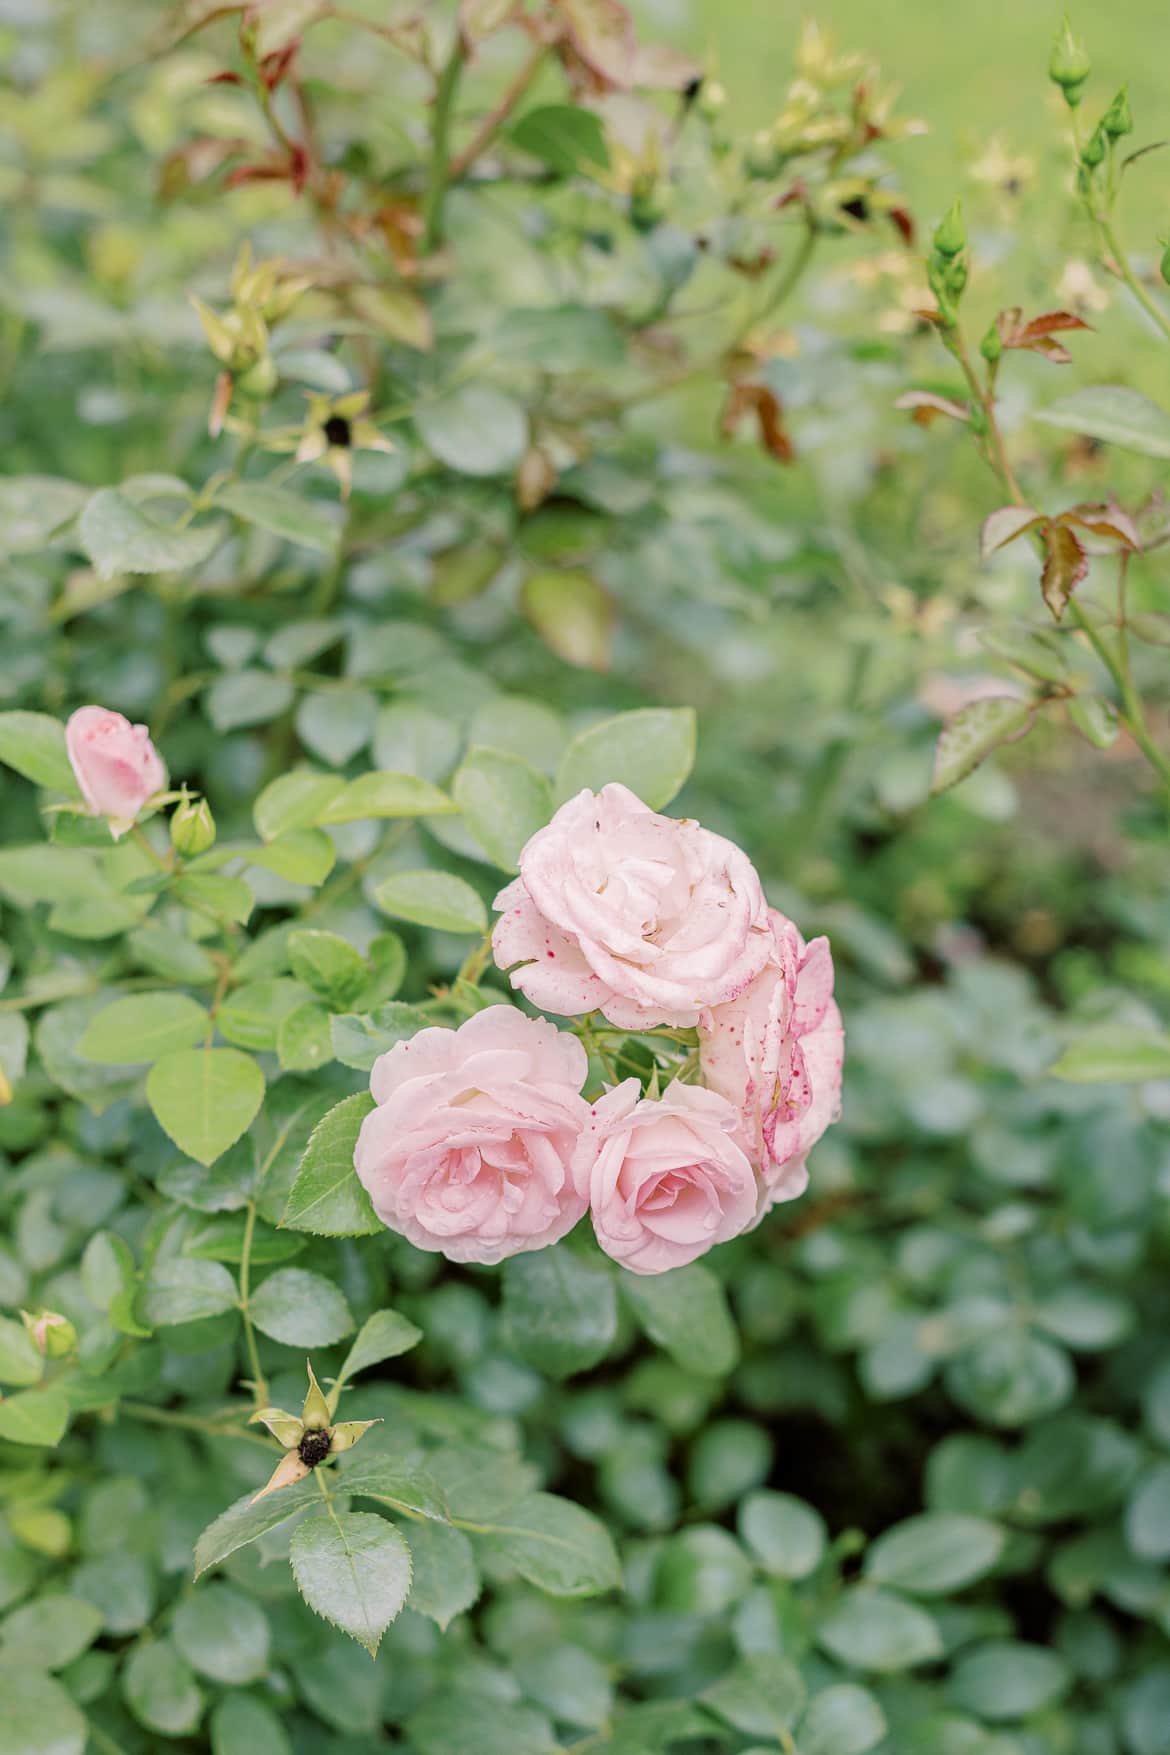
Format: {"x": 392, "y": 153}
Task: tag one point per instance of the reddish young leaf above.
{"x": 1109, "y": 521}
{"x": 1036, "y": 335}
{"x": 1004, "y": 525}
{"x": 1065, "y": 566}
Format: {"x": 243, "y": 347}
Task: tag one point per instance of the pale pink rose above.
{"x": 776, "y": 1052}
{"x": 642, "y": 917}
{"x": 665, "y": 1177}
{"x": 468, "y": 1151}
{"x": 117, "y": 766}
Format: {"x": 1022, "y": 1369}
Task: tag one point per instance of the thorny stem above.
{"x": 259, "y": 1384}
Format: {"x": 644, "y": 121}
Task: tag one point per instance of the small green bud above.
{"x": 955, "y": 276}
{"x": 712, "y": 100}
{"x": 762, "y": 160}
{"x": 991, "y": 346}
{"x": 192, "y": 827}
{"x": 1118, "y": 118}
{"x": 1069, "y": 66}
{"x": 950, "y": 234}
{"x": 647, "y": 206}
{"x": 1093, "y": 151}
{"x": 53, "y": 1335}
{"x": 259, "y": 380}
{"x": 1165, "y": 264}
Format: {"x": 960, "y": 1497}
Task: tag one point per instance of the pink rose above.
{"x": 643, "y": 917}
{"x": 775, "y": 1052}
{"x": 117, "y": 766}
{"x": 468, "y": 1151}
{"x": 665, "y": 1177}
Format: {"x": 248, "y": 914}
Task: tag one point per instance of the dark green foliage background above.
{"x": 893, "y": 1472}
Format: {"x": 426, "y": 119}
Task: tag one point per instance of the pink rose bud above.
{"x": 642, "y": 917}
{"x": 117, "y": 766}
{"x": 665, "y": 1177}
{"x": 468, "y": 1151}
{"x": 775, "y": 1052}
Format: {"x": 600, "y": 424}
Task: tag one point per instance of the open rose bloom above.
{"x": 775, "y": 1052}
{"x": 469, "y": 1149}
{"x": 665, "y": 1177}
{"x": 645, "y": 918}
{"x": 117, "y": 767}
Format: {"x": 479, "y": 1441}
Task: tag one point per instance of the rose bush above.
{"x": 483, "y": 452}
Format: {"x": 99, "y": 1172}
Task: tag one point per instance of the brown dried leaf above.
{"x": 925, "y": 407}
{"x": 1005, "y": 525}
{"x": 748, "y": 398}
{"x": 1065, "y": 566}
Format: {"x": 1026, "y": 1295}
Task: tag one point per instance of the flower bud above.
{"x": 712, "y": 100}
{"x": 192, "y": 827}
{"x": 1118, "y": 118}
{"x": 991, "y": 346}
{"x": 955, "y": 276}
{"x": 53, "y": 1335}
{"x": 259, "y": 380}
{"x": 1069, "y": 66}
{"x": 1093, "y": 151}
{"x": 762, "y": 159}
{"x": 950, "y": 234}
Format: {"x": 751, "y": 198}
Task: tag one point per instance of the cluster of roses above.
{"x": 481, "y": 1144}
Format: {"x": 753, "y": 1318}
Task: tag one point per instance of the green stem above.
{"x": 214, "y": 1427}
{"x": 139, "y": 836}
{"x": 1131, "y": 709}
{"x": 1125, "y": 273}
{"x": 259, "y": 1383}
{"x": 785, "y": 285}
{"x": 491, "y": 125}
{"x": 441, "y": 147}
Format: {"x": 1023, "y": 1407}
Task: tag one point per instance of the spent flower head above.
{"x": 308, "y": 1439}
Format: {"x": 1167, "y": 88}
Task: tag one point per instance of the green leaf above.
{"x": 181, "y": 1289}
{"x": 34, "y": 744}
{"x": 1006, "y": 1679}
{"x": 39, "y": 1716}
{"x": 437, "y": 899}
{"x": 685, "y": 1312}
{"x": 382, "y": 1336}
{"x": 504, "y": 802}
{"x": 300, "y": 1309}
{"x": 222, "y": 1634}
{"x": 1147, "y": 1516}
{"x": 701, "y": 1571}
{"x": 311, "y": 523}
{"x": 248, "y": 1519}
{"x": 326, "y": 1197}
{"x": 400, "y": 1483}
{"x": 20, "y": 1363}
{"x": 573, "y": 614}
{"x": 33, "y": 508}
{"x": 411, "y": 738}
{"x": 976, "y": 730}
{"x": 243, "y": 1726}
{"x": 871, "y": 1629}
{"x": 557, "y": 1546}
{"x": 251, "y": 1017}
{"x": 564, "y": 137}
{"x": 787, "y": 1537}
{"x": 302, "y": 856}
{"x": 1011, "y": 1378}
{"x": 558, "y": 338}
{"x": 336, "y": 724}
{"x": 651, "y": 750}
{"x": 219, "y": 897}
{"x": 239, "y": 698}
{"x": 34, "y": 1416}
{"x": 843, "y": 1720}
{"x": 303, "y": 1039}
{"x": 49, "y": 1632}
{"x": 935, "y": 1554}
{"x": 205, "y": 1098}
{"x": 1096, "y": 720}
{"x": 294, "y": 801}
{"x": 474, "y": 430}
{"x": 1115, "y": 413}
{"x": 119, "y": 537}
{"x": 569, "y": 1682}
{"x": 161, "y": 1691}
{"x": 353, "y": 1569}
{"x": 328, "y": 964}
{"x": 445, "y": 1579}
{"x": 1115, "y": 1054}
{"x": 559, "y": 1310}
{"x": 380, "y": 794}
{"x": 358, "y": 1039}
{"x": 143, "y": 1027}
{"x": 762, "y": 1695}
